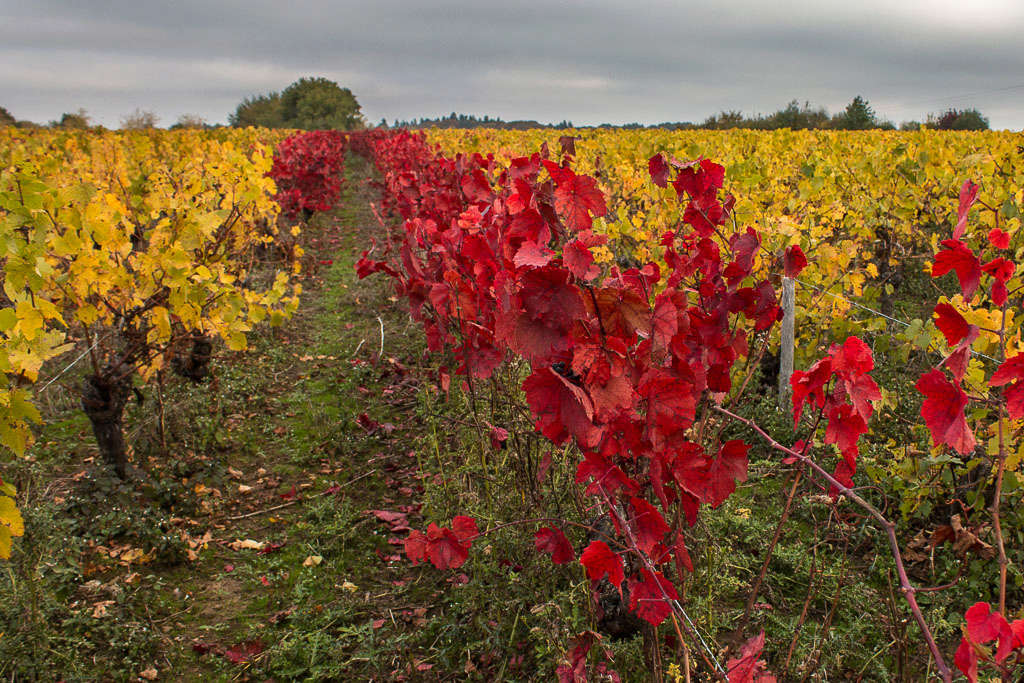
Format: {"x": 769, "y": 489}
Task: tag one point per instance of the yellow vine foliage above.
{"x": 123, "y": 245}
{"x": 859, "y": 203}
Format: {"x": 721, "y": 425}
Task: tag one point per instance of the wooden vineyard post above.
{"x": 786, "y": 341}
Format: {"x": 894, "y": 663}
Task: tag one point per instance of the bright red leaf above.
{"x": 953, "y": 325}
{"x": 649, "y": 525}
{"x": 649, "y": 595}
{"x": 968, "y": 195}
{"x": 999, "y": 239}
{"x": 794, "y": 261}
{"x": 561, "y": 409}
{"x": 957, "y": 256}
{"x": 1012, "y": 370}
{"x": 748, "y": 666}
{"x": 553, "y": 542}
{"x": 599, "y": 561}
{"x": 943, "y": 411}
{"x": 658, "y": 169}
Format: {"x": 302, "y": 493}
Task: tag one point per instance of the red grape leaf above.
{"x": 650, "y": 526}
{"x": 561, "y": 409}
{"x": 949, "y": 321}
{"x": 606, "y": 476}
{"x": 724, "y": 471}
{"x": 682, "y": 556}
{"x": 748, "y": 667}
{"x": 444, "y": 548}
{"x": 464, "y": 528}
{"x": 1012, "y": 370}
{"x": 579, "y": 260}
{"x": 647, "y": 596}
{"x": 658, "y": 169}
{"x": 794, "y": 261}
{"x": 966, "y": 659}
{"x": 956, "y": 256}
{"x": 554, "y": 542}
{"x": 533, "y": 255}
{"x": 576, "y": 197}
{"x": 984, "y": 625}
{"x": 943, "y": 411}
{"x": 999, "y": 239}
{"x": 243, "y": 652}
{"x": 599, "y": 560}
{"x": 968, "y": 195}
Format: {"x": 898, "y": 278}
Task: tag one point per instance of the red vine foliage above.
{"x": 635, "y": 366}
{"x": 308, "y": 169}
{"x": 497, "y": 264}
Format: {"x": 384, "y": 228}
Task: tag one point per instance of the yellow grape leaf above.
{"x": 11, "y": 524}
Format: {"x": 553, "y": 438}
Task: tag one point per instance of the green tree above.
{"x": 320, "y": 104}
{"x": 858, "y": 116}
{"x": 795, "y": 117}
{"x": 78, "y": 120}
{"x": 724, "y": 120}
{"x": 258, "y": 110}
{"x": 955, "y": 119}
{"x": 6, "y": 119}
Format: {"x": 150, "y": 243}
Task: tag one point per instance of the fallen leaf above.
{"x": 243, "y": 652}
{"x": 271, "y": 547}
{"x": 149, "y": 674}
{"x": 99, "y": 609}
{"x": 312, "y": 561}
{"x": 247, "y": 544}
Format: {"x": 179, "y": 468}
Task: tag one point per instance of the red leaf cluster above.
{"x": 445, "y": 548}
{"x": 842, "y": 391}
{"x": 307, "y": 171}
{"x": 984, "y": 626}
{"x": 496, "y": 263}
{"x": 748, "y": 667}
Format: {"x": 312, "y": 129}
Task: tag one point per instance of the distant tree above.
{"x": 320, "y": 104}
{"x": 258, "y": 110}
{"x": 954, "y": 119}
{"x": 139, "y": 120}
{"x": 6, "y": 119}
{"x": 910, "y": 125}
{"x": 80, "y": 120}
{"x": 189, "y": 121}
{"x": 795, "y": 117}
{"x": 725, "y": 120}
{"x": 858, "y": 116}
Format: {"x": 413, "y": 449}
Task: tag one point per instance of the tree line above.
{"x": 321, "y": 104}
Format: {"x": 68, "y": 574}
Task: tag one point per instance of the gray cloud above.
{"x": 589, "y": 62}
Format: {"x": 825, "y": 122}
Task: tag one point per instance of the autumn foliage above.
{"x": 636, "y": 366}
{"x": 308, "y": 170}
{"x": 497, "y": 264}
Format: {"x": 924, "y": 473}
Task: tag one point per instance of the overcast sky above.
{"x": 589, "y": 62}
